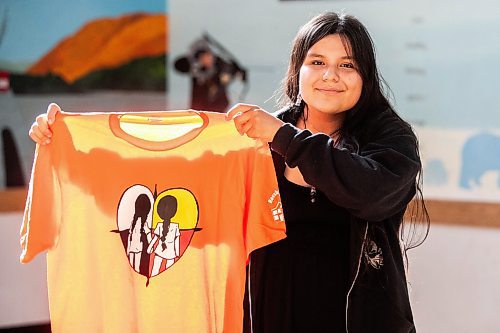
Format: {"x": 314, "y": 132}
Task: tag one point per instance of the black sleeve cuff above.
{"x": 283, "y": 137}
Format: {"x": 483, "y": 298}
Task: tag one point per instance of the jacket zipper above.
{"x": 250, "y": 295}
{"x": 355, "y": 278}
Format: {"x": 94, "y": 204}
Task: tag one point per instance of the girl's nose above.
{"x": 331, "y": 74}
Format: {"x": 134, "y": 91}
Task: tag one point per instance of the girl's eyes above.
{"x": 343, "y": 65}
{"x": 347, "y": 65}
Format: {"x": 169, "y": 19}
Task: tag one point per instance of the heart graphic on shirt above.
{"x": 156, "y": 229}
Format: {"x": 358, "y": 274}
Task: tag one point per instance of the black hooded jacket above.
{"x": 375, "y": 185}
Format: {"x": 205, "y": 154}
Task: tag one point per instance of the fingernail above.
{"x": 46, "y": 142}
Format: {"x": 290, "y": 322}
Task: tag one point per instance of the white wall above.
{"x": 455, "y": 278}
{"x": 23, "y": 288}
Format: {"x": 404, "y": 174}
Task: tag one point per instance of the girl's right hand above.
{"x": 40, "y": 130}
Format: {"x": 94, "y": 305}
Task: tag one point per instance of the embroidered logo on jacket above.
{"x": 373, "y": 255}
{"x": 156, "y": 229}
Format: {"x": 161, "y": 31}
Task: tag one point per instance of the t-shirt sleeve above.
{"x": 265, "y": 222}
{"x": 41, "y": 220}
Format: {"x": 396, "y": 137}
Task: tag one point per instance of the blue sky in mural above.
{"x": 35, "y": 26}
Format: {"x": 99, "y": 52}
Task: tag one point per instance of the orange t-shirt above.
{"x": 149, "y": 219}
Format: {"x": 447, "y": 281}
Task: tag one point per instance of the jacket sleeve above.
{"x": 373, "y": 184}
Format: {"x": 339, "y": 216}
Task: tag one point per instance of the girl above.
{"x": 347, "y": 167}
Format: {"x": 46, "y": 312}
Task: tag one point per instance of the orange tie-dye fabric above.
{"x": 149, "y": 234}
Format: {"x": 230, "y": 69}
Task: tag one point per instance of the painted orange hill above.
{"x": 105, "y": 43}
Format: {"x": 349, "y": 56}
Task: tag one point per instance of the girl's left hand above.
{"x": 255, "y": 122}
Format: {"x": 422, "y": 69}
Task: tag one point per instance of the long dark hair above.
{"x": 166, "y": 209}
{"x": 142, "y": 208}
{"x": 372, "y": 102}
